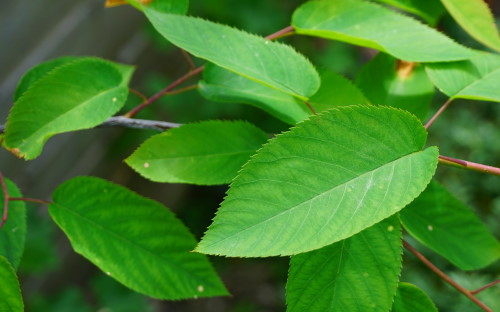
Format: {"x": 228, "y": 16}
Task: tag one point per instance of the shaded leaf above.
{"x": 475, "y": 17}
{"x": 327, "y": 179}
{"x": 387, "y": 81}
{"x": 442, "y": 223}
{"x": 10, "y": 291}
{"x": 475, "y": 79}
{"x": 208, "y": 153}
{"x": 430, "y": 11}
{"x": 56, "y": 104}
{"x": 133, "y": 239}
{"x": 13, "y": 232}
{"x": 270, "y": 63}
{"x": 410, "y": 298}
{"x": 373, "y": 26}
{"x": 360, "y": 273}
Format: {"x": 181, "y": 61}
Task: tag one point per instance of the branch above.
{"x": 445, "y": 277}
{"x": 465, "y": 164}
{"x": 287, "y": 31}
{"x": 32, "y": 200}
{"x": 438, "y": 113}
{"x": 485, "y": 287}
{"x": 5, "y": 201}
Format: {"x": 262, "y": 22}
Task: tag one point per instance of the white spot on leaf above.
{"x": 108, "y": 274}
{"x": 115, "y": 99}
{"x": 430, "y": 228}
{"x": 390, "y": 228}
{"x": 201, "y": 288}
{"x": 146, "y": 165}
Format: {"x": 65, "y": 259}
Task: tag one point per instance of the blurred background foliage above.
{"x": 54, "y": 278}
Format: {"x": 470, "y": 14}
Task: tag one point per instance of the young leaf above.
{"x": 135, "y": 240}
{"x": 373, "y": 26}
{"x": 360, "y": 273}
{"x": 10, "y": 292}
{"x": 476, "y": 19}
{"x": 222, "y": 85}
{"x": 442, "y": 223}
{"x": 207, "y": 153}
{"x": 476, "y": 78}
{"x": 387, "y": 81}
{"x": 327, "y": 179}
{"x": 430, "y": 11}
{"x": 13, "y": 232}
{"x": 410, "y": 298}
{"x": 270, "y": 63}
{"x": 56, "y": 104}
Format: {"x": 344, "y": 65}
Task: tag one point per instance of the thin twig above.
{"x": 139, "y": 94}
{"x": 311, "y": 108}
{"x": 465, "y": 164}
{"x": 181, "y": 90}
{"x": 445, "y": 277}
{"x": 188, "y": 59}
{"x": 120, "y": 121}
{"x": 438, "y": 113}
{"x": 287, "y": 31}
{"x": 32, "y": 200}
{"x": 5, "y": 201}
{"x": 485, "y": 287}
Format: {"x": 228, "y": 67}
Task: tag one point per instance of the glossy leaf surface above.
{"x": 56, "y": 104}
{"x": 441, "y": 222}
{"x": 410, "y": 298}
{"x": 133, "y": 239}
{"x": 209, "y": 152}
{"x": 10, "y": 292}
{"x": 360, "y": 273}
{"x": 387, "y": 81}
{"x": 327, "y": 179}
{"x": 373, "y": 26}
{"x": 13, "y": 232}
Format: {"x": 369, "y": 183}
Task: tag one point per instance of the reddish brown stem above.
{"x": 139, "y": 94}
{"x": 445, "y": 277}
{"x": 287, "y": 31}
{"x": 181, "y": 90}
{"x": 33, "y": 200}
{"x": 465, "y": 164}
{"x": 310, "y": 107}
{"x": 485, "y": 287}
{"x": 5, "y": 201}
{"x": 438, "y": 113}
{"x": 188, "y": 59}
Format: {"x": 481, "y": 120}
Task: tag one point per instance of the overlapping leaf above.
{"x": 476, "y": 19}
{"x": 387, "y": 81}
{"x": 13, "y": 232}
{"x": 430, "y": 11}
{"x": 208, "y": 153}
{"x": 410, "y": 298}
{"x": 135, "y": 240}
{"x": 270, "y": 63}
{"x": 56, "y": 104}
{"x": 166, "y": 6}
{"x": 444, "y": 224}
{"x": 373, "y": 26}
{"x": 360, "y": 273}
{"x": 10, "y": 292}
{"x": 327, "y": 179}
{"x": 476, "y": 78}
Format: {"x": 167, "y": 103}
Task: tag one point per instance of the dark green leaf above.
{"x": 208, "y": 153}
{"x": 133, "y": 239}
{"x": 410, "y": 298}
{"x": 10, "y": 293}
{"x": 360, "y": 273}
{"x": 430, "y": 11}
{"x": 327, "y": 179}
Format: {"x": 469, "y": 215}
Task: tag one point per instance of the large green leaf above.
{"x": 327, "y": 179}
{"x": 166, "y": 6}
{"x": 444, "y": 224}
{"x": 476, "y": 19}
{"x": 270, "y": 63}
{"x": 410, "y": 298}
{"x": 135, "y": 240}
{"x": 222, "y": 85}
{"x": 10, "y": 292}
{"x": 373, "y": 26}
{"x": 360, "y": 273}
{"x": 430, "y": 11}
{"x": 78, "y": 95}
{"x": 208, "y": 153}
{"x": 387, "y": 81}
{"x": 13, "y": 232}
{"x": 476, "y": 78}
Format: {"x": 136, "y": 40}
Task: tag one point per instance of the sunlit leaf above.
{"x": 10, "y": 292}
{"x": 410, "y": 298}
{"x": 430, "y": 11}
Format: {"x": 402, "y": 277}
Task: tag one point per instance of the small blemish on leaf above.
{"x": 108, "y": 274}
{"x": 390, "y": 228}
{"x": 201, "y": 288}
{"x": 430, "y": 228}
{"x": 366, "y": 274}
{"x": 114, "y": 99}
{"x": 146, "y": 165}
{"x": 404, "y": 69}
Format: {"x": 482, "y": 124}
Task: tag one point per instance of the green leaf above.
{"x": 335, "y": 91}
{"x": 270, "y": 63}
{"x": 207, "y": 153}
{"x": 13, "y": 232}
{"x": 387, "y": 81}
{"x": 170, "y": 6}
{"x": 133, "y": 239}
{"x": 222, "y": 85}
{"x": 360, "y": 273}
{"x": 442, "y": 223}
{"x": 410, "y": 298}
{"x": 476, "y": 19}
{"x": 327, "y": 179}
{"x": 475, "y": 79}
{"x": 39, "y": 71}
{"x": 373, "y": 26}
{"x": 56, "y": 104}
{"x": 10, "y": 291}
{"x": 430, "y": 11}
